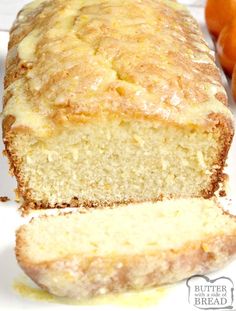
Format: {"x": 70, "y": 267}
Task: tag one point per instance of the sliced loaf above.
{"x": 129, "y": 247}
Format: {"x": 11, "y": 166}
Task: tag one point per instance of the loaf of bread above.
{"x": 129, "y": 247}
{"x": 110, "y": 101}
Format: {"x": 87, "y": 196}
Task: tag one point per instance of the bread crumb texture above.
{"x": 116, "y": 161}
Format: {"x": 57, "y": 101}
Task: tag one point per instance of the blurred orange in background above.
{"x": 219, "y": 13}
{"x": 234, "y": 83}
{"x": 226, "y": 47}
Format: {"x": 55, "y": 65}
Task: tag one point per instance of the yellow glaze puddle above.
{"x": 133, "y": 299}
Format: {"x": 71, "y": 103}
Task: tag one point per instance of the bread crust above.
{"x": 82, "y": 277}
{"x": 29, "y": 65}
{"x": 226, "y": 138}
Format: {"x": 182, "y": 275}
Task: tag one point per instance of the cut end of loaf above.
{"x": 115, "y": 160}
{"x": 128, "y": 247}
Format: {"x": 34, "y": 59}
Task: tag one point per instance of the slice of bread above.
{"x": 128, "y": 247}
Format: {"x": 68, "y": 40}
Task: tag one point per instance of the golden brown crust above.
{"x": 226, "y": 140}
{"x": 118, "y": 65}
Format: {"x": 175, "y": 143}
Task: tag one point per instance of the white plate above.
{"x": 175, "y": 297}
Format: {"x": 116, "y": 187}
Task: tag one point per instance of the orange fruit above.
{"x": 233, "y": 85}
{"x": 226, "y": 47}
{"x": 219, "y": 13}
